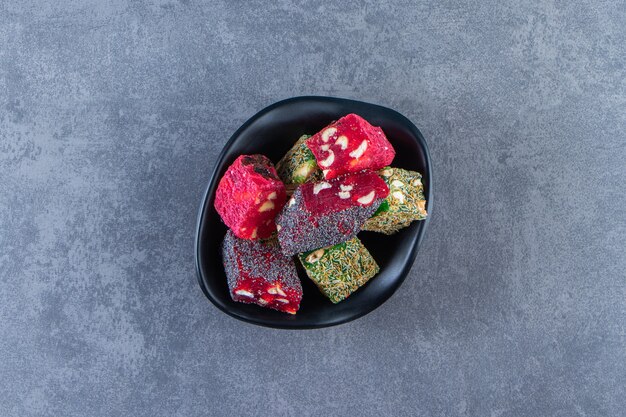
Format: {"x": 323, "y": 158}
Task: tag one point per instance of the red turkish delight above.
{"x": 249, "y": 196}
{"x": 329, "y": 212}
{"x": 258, "y": 273}
{"x": 350, "y": 144}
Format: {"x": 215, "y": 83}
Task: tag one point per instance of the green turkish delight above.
{"x": 341, "y": 269}
{"x": 298, "y": 165}
{"x": 404, "y": 204}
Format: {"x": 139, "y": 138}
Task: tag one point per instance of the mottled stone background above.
{"x": 112, "y": 114}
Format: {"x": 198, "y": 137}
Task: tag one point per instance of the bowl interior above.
{"x": 272, "y": 132}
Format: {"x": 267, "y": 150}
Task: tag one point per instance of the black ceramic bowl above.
{"x": 272, "y": 132}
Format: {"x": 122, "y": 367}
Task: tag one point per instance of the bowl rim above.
{"x": 414, "y": 247}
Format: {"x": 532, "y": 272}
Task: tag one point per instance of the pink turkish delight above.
{"x": 350, "y": 144}
{"x": 249, "y": 196}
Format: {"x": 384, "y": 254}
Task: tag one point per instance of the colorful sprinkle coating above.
{"x": 404, "y": 204}
{"x": 341, "y": 269}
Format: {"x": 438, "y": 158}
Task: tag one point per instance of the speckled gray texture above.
{"x": 112, "y": 114}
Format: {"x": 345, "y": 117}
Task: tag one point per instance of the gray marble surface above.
{"x": 112, "y": 114}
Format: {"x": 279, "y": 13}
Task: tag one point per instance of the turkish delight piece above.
{"x": 298, "y": 166}
{"x": 329, "y": 212}
{"x": 404, "y": 204}
{"x": 258, "y": 273}
{"x": 249, "y": 196}
{"x": 350, "y": 144}
{"x": 341, "y": 269}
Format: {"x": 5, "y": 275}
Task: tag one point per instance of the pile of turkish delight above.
{"x": 310, "y": 207}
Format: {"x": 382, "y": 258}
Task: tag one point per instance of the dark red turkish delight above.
{"x": 249, "y": 196}
{"x": 259, "y": 273}
{"x": 350, "y": 144}
{"x": 329, "y": 212}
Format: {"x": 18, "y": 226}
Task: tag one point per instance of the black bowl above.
{"x": 272, "y": 132}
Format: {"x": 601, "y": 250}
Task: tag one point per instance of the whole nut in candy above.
{"x": 326, "y": 134}
{"x": 276, "y": 290}
{"x": 342, "y": 141}
{"x": 345, "y": 191}
{"x": 268, "y": 205}
{"x": 320, "y": 186}
{"x": 328, "y": 161}
{"x": 367, "y": 199}
{"x": 358, "y": 152}
{"x": 315, "y": 256}
{"x": 388, "y": 172}
{"x": 398, "y": 196}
